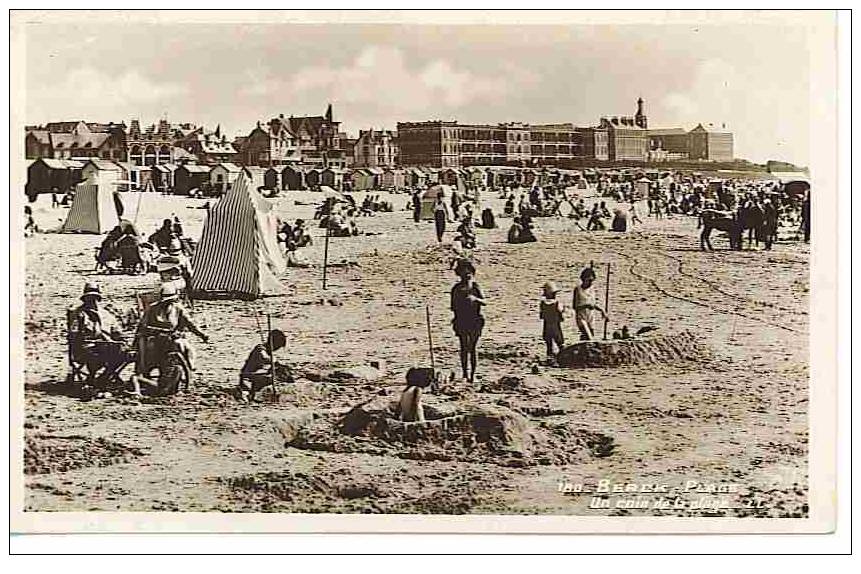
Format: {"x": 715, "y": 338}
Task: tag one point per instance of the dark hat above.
{"x": 277, "y": 338}
{"x": 587, "y": 272}
{"x": 91, "y": 290}
{"x": 464, "y": 266}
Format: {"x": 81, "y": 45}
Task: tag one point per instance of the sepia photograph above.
{"x": 285, "y": 267}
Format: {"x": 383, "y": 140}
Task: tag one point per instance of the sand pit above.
{"x": 454, "y": 431}
{"x": 684, "y": 346}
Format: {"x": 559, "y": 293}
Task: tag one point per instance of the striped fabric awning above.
{"x": 238, "y": 252}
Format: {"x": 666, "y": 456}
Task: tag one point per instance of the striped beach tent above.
{"x": 93, "y": 210}
{"x": 238, "y": 252}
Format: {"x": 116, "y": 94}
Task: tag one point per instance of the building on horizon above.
{"x": 710, "y": 144}
{"x": 375, "y": 148}
{"x": 615, "y": 139}
{"x": 157, "y": 144}
{"x": 309, "y": 140}
{"x": 75, "y": 139}
{"x": 208, "y": 147}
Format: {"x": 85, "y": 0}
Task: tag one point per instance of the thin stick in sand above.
{"x": 272, "y": 360}
{"x": 430, "y": 337}
{"x": 606, "y": 301}
{"x": 326, "y": 251}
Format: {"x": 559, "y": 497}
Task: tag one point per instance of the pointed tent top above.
{"x": 329, "y": 113}
{"x": 218, "y": 131}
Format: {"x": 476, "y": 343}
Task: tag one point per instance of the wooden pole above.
{"x": 271, "y": 357}
{"x": 326, "y": 250}
{"x": 430, "y": 337}
{"x": 606, "y": 301}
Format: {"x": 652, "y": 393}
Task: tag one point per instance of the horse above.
{"x": 752, "y": 218}
{"x": 712, "y": 219}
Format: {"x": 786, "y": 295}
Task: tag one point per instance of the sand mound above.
{"x": 452, "y": 431}
{"x": 682, "y": 346}
{"x": 48, "y": 454}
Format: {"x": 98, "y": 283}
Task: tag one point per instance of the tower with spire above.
{"x": 640, "y": 118}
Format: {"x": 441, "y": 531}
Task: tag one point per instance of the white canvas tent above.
{"x": 93, "y": 210}
{"x": 238, "y": 253}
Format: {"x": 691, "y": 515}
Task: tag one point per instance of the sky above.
{"x": 752, "y": 79}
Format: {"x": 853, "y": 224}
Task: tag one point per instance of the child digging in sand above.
{"x": 256, "y": 373}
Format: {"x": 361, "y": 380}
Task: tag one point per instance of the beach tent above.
{"x": 642, "y": 187}
{"x": 331, "y": 193}
{"x": 94, "y": 210}
{"x": 238, "y": 252}
{"x": 429, "y": 198}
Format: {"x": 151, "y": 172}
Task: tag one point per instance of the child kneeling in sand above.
{"x": 256, "y": 373}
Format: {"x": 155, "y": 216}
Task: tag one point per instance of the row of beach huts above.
{"x": 46, "y": 175}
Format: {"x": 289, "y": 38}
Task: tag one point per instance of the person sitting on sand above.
{"x": 161, "y": 238}
{"x": 300, "y": 234}
{"x": 605, "y": 212}
{"x": 285, "y": 233}
{"x": 256, "y": 372}
{"x": 488, "y": 221}
{"x": 177, "y": 226}
{"x": 584, "y": 304}
{"x": 169, "y": 316}
{"x": 30, "y": 226}
{"x": 550, "y": 312}
{"x": 595, "y": 222}
{"x": 466, "y": 233}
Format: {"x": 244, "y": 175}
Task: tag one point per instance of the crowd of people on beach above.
{"x": 98, "y": 342}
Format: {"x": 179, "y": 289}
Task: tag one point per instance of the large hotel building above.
{"x": 615, "y": 139}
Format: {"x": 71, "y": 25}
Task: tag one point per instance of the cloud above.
{"x": 131, "y": 86}
{"x": 379, "y": 78}
{"x": 87, "y": 92}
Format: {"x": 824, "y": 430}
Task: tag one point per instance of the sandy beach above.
{"x": 733, "y": 415}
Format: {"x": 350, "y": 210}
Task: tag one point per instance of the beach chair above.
{"x": 81, "y": 373}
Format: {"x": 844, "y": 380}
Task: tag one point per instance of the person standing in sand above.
{"x": 551, "y": 312}
{"x": 635, "y": 217}
{"x": 584, "y": 304}
{"x": 440, "y": 214}
{"x": 466, "y": 303}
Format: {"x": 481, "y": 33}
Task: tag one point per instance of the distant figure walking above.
{"x": 417, "y": 206}
{"x": 466, "y": 303}
{"x": 439, "y": 216}
{"x": 635, "y": 217}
